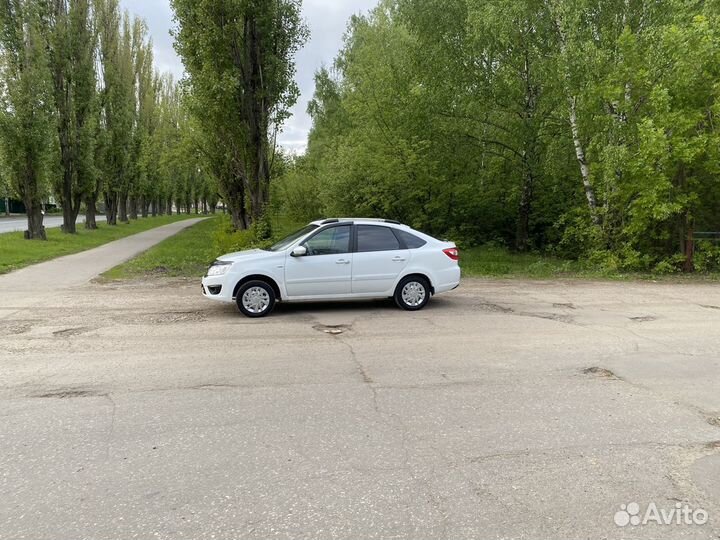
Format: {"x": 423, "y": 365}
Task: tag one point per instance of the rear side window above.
{"x": 376, "y": 238}
{"x": 410, "y": 240}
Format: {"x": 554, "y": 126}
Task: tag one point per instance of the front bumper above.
{"x": 215, "y": 288}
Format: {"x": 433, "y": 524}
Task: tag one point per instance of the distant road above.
{"x": 16, "y": 223}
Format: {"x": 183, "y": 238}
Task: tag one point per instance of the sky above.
{"x": 327, "y": 20}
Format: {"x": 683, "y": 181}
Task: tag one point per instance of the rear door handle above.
{"x": 399, "y": 259}
{"x": 342, "y": 261}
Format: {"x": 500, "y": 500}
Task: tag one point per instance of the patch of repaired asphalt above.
{"x": 13, "y": 328}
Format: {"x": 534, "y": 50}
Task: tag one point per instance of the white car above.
{"x": 337, "y": 259}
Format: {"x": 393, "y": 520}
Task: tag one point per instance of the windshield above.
{"x": 290, "y": 240}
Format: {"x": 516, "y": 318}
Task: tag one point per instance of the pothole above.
{"x": 69, "y": 332}
{"x": 566, "y": 319}
{"x": 714, "y": 421}
{"x": 600, "y": 372}
{"x": 645, "y": 318}
{"x": 332, "y": 329}
{"x": 68, "y": 393}
{"x": 564, "y": 306}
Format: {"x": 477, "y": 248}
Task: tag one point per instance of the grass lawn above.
{"x": 187, "y": 254}
{"x": 496, "y": 262}
{"x": 491, "y": 261}
{"x": 16, "y": 252}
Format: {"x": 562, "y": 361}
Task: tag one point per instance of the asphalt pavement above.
{"x": 506, "y": 409}
{"x": 19, "y": 223}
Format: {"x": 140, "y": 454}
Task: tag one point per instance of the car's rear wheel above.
{"x": 255, "y": 299}
{"x": 413, "y": 293}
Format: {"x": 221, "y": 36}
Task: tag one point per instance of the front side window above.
{"x": 288, "y": 241}
{"x": 376, "y": 238}
{"x": 332, "y": 241}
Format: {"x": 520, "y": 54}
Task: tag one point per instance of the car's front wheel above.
{"x": 413, "y": 293}
{"x": 255, "y": 299}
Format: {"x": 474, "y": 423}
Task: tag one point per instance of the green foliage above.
{"x": 527, "y": 123}
{"x": 26, "y": 122}
{"x": 70, "y": 36}
{"x": 707, "y": 258}
{"x": 240, "y": 87}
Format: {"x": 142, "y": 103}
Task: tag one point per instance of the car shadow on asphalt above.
{"x": 358, "y": 307}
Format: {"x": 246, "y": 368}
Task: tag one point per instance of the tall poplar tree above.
{"x": 71, "y": 46}
{"x": 239, "y": 57}
{"x": 26, "y": 127}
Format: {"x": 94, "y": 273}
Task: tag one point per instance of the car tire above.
{"x": 255, "y": 299}
{"x": 412, "y": 293}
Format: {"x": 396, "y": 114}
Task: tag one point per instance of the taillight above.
{"x": 453, "y": 253}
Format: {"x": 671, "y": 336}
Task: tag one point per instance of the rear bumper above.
{"x": 447, "y": 280}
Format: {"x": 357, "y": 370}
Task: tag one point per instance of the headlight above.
{"x": 219, "y": 268}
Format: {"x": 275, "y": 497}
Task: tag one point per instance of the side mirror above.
{"x": 299, "y": 251}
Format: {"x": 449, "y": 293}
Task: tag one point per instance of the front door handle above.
{"x": 398, "y": 259}
{"x": 342, "y": 261}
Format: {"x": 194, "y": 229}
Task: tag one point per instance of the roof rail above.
{"x": 393, "y": 221}
{"x": 328, "y": 221}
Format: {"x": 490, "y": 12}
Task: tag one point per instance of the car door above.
{"x": 378, "y": 261}
{"x": 326, "y": 270}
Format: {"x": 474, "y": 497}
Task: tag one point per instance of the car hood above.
{"x": 250, "y": 254}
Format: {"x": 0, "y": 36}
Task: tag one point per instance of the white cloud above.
{"x": 327, "y": 20}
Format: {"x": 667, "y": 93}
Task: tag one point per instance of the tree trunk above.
{"x": 689, "y": 251}
{"x": 144, "y": 205}
{"x": 90, "y": 211}
{"x": 35, "y": 230}
{"x": 582, "y": 160}
{"x": 133, "y": 207}
{"x": 69, "y": 218}
{"x": 235, "y": 202}
{"x": 524, "y": 209}
{"x": 122, "y": 208}
{"x": 111, "y": 208}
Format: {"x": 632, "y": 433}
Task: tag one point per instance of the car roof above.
{"x": 360, "y": 221}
